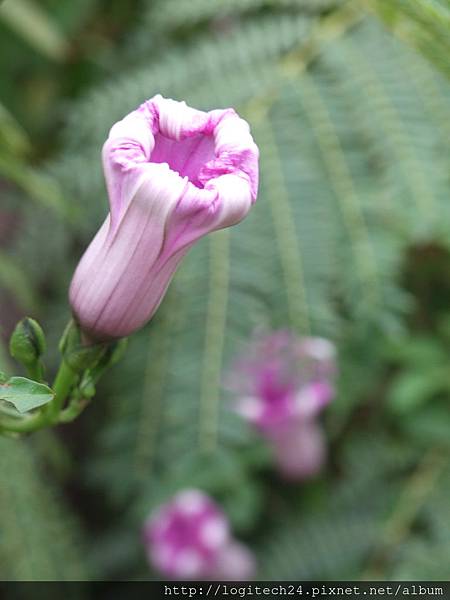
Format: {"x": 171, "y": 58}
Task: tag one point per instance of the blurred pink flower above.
{"x": 282, "y": 384}
{"x": 189, "y": 538}
{"x": 283, "y": 378}
{"x": 173, "y": 174}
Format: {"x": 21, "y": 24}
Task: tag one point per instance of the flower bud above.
{"x": 87, "y": 388}
{"x": 173, "y": 174}
{"x": 27, "y": 342}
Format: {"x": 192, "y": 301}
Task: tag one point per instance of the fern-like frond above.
{"x": 38, "y": 537}
{"x": 353, "y": 130}
{"x": 424, "y": 24}
{"x": 350, "y": 163}
{"x": 334, "y": 539}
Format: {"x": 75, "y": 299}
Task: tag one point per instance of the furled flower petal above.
{"x": 189, "y": 538}
{"x": 173, "y": 174}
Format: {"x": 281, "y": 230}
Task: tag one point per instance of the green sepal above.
{"x": 27, "y": 343}
{"x": 25, "y": 394}
{"x": 80, "y": 356}
{"x": 86, "y": 389}
{"x": 114, "y": 353}
{"x": 3, "y": 377}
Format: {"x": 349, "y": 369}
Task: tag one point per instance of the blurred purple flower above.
{"x": 282, "y": 385}
{"x": 173, "y": 174}
{"x": 189, "y": 538}
{"x": 283, "y": 378}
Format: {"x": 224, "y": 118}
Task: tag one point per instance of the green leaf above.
{"x": 4, "y": 362}
{"x": 431, "y": 425}
{"x": 12, "y": 136}
{"x": 422, "y": 23}
{"x": 40, "y": 187}
{"x": 416, "y": 351}
{"x": 41, "y": 539}
{"x": 413, "y": 388}
{"x": 25, "y": 394}
{"x": 15, "y": 281}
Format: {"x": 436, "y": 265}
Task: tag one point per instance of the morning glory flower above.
{"x": 173, "y": 174}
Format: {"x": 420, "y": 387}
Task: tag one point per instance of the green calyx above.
{"x": 77, "y": 354}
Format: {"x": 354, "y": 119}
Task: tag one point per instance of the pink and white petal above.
{"x": 312, "y": 398}
{"x": 318, "y": 348}
{"x": 128, "y": 146}
{"x": 192, "y": 502}
{"x": 251, "y": 408}
{"x": 88, "y": 261}
{"x": 214, "y": 532}
{"x": 234, "y": 200}
{"x": 176, "y": 120}
{"x": 300, "y": 452}
{"x": 116, "y": 276}
{"x": 189, "y": 564}
{"x": 235, "y": 563}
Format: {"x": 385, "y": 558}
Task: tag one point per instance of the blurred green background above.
{"x": 350, "y": 239}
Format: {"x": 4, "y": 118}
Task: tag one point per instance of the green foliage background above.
{"x": 349, "y": 239}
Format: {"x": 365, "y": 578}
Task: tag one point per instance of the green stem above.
{"x": 64, "y": 380}
{"x": 26, "y": 425}
{"x": 74, "y": 409}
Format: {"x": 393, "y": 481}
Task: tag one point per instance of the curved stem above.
{"x": 412, "y": 498}
{"x": 74, "y": 409}
{"x": 26, "y": 425}
{"x": 64, "y": 380}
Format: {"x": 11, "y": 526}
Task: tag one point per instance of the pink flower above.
{"x": 189, "y": 538}
{"x": 282, "y": 385}
{"x": 173, "y": 174}
{"x": 284, "y": 379}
